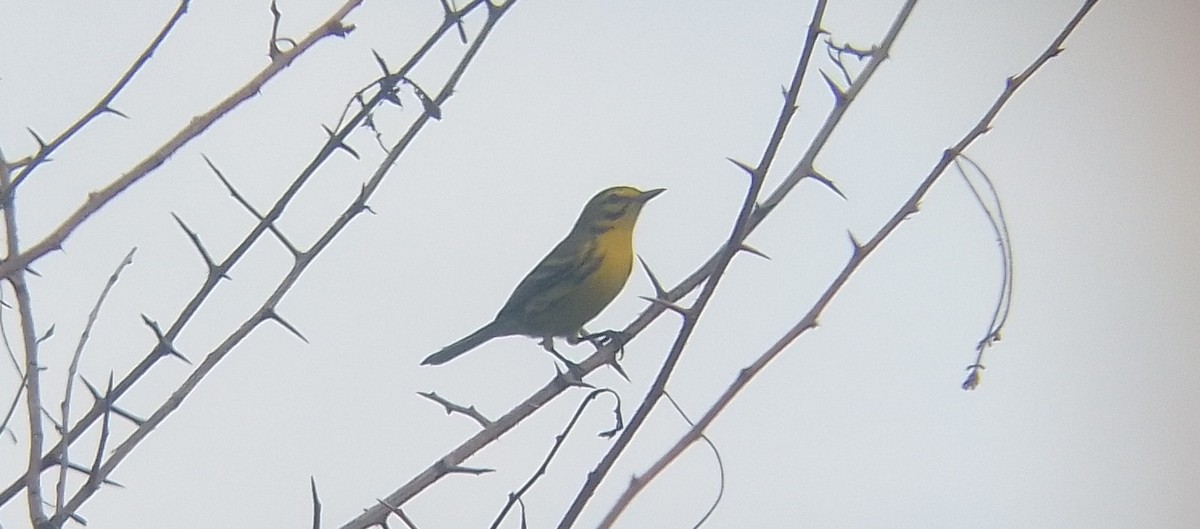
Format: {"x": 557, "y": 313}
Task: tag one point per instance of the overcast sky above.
{"x": 1087, "y": 416}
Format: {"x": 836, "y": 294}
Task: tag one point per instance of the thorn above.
{"x": 454, "y": 16}
{"x": 85, "y": 470}
{"x": 456, "y": 469}
{"x": 391, "y": 97}
{"x": 338, "y": 143}
{"x": 272, "y": 315}
{"x": 838, "y": 94}
{"x": 316, "y": 500}
{"x": 153, "y": 325}
{"x": 164, "y": 347}
{"x": 91, "y": 389}
{"x": 659, "y": 291}
{"x": 35, "y": 273}
{"x": 49, "y": 333}
{"x": 668, "y": 305}
{"x": 854, "y": 242}
{"x": 171, "y": 351}
{"x": 127, "y": 415}
{"x": 112, "y": 110}
{"x": 573, "y": 375}
{"x": 382, "y": 64}
{"x": 208, "y": 261}
{"x": 395, "y": 510}
{"x": 828, "y": 183}
{"x": 342, "y": 30}
{"x": 749, "y": 170}
{"x": 604, "y": 338}
{"x": 431, "y": 106}
{"x": 617, "y": 367}
{"x": 97, "y": 395}
{"x": 41, "y": 142}
{"x": 750, "y": 249}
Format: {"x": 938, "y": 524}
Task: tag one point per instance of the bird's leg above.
{"x": 574, "y": 373}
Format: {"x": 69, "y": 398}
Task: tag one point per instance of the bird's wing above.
{"x": 558, "y": 274}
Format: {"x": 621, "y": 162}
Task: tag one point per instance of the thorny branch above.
{"x": 98, "y": 199}
{"x": 267, "y": 311}
{"x": 691, "y": 315}
{"x": 217, "y": 269}
{"x": 861, "y": 252}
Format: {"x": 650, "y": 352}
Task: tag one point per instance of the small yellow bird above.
{"x": 574, "y": 282}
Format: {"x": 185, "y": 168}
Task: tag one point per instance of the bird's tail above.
{"x": 471, "y": 341}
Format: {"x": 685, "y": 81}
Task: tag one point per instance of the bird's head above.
{"x": 615, "y": 207}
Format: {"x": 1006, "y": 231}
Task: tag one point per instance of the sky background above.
{"x": 1087, "y": 417}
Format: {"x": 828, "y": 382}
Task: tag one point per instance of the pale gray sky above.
{"x": 1087, "y": 415}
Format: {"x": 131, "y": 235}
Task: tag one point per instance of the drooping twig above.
{"x": 1004, "y": 300}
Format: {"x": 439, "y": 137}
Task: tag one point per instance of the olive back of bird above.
{"x": 582, "y": 274}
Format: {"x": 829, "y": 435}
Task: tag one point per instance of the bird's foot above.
{"x": 603, "y": 338}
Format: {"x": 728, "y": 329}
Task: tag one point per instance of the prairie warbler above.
{"x": 574, "y": 282}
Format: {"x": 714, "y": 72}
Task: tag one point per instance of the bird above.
{"x": 573, "y": 283}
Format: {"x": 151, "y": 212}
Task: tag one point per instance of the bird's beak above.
{"x": 647, "y": 195}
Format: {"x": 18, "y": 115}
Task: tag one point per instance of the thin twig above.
{"x": 104, "y": 105}
{"x": 12, "y": 407}
{"x": 451, "y": 407}
{"x": 65, "y": 459}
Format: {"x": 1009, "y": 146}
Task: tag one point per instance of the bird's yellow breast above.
{"x": 616, "y": 246}
{"x": 580, "y": 303}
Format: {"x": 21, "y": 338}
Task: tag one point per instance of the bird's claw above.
{"x": 603, "y": 338}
